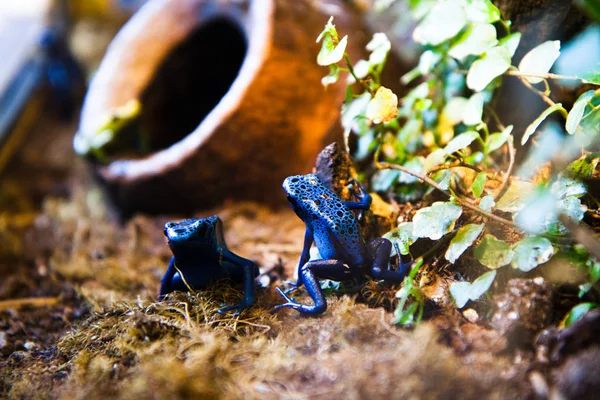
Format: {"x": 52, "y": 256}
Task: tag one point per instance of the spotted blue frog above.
{"x": 332, "y": 227}
{"x": 201, "y": 257}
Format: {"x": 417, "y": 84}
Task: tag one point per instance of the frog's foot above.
{"x": 240, "y": 306}
{"x": 380, "y": 269}
{"x": 293, "y": 286}
{"x": 288, "y": 301}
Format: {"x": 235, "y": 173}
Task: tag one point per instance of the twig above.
{"x": 543, "y": 95}
{"x": 492, "y": 112}
{"x": 454, "y": 165}
{"x": 511, "y": 164}
{"x": 30, "y": 301}
{"x": 351, "y": 70}
{"x": 431, "y": 182}
{"x": 542, "y": 76}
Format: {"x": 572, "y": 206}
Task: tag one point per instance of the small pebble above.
{"x": 471, "y": 315}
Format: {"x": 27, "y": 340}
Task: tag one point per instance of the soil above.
{"x": 79, "y": 316}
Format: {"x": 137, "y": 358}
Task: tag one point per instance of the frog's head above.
{"x": 307, "y": 195}
{"x": 191, "y": 230}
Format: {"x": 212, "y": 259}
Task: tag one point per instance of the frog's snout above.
{"x": 168, "y": 225}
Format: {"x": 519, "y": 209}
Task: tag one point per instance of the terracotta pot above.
{"x": 217, "y": 133}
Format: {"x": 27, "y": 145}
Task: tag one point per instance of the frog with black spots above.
{"x": 333, "y": 228}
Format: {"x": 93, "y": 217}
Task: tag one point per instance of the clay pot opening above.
{"x": 191, "y": 81}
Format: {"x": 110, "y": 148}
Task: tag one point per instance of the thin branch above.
{"x": 543, "y": 95}
{"x": 351, "y": 70}
{"x": 462, "y": 164}
{"x": 492, "y": 112}
{"x": 511, "y": 164}
{"x": 431, "y": 182}
{"x": 454, "y": 165}
{"x": 542, "y": 76}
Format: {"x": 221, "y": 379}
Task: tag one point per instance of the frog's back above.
{"x": 335, "y": 229}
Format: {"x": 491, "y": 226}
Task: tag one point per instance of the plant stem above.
{"x": 431, "y": 182}
{"x": 351, "y": 70}
{"x": 544, "y": 96}
{"x": 492, "y": 112}
{"x": 542, "y": 76}
{"x": 511, "y": 164}
{"x": 454, "y": 165}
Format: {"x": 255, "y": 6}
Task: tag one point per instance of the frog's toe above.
{"x": 284, "y": 295}
{"x": 288, "y": 301}
{"x": 238, "y": 306}
{"x": 290, "y": 304}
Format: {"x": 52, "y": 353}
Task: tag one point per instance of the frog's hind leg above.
{"x": 380, "y": 249}
{"x": 244, "y": 270}
{"x": 310, "y": 272}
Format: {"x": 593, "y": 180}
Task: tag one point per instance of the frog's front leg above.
{"x": 364, "y": 198}
{"x": 249, "y": 272}
{"x": 309, "y": 273}
{"x": 167, "y": 280}
{"x": 304, "y": 257}
{"x": 380, "y": 250}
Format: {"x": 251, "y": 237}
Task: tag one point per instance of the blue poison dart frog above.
{"x": 331, "y": 225}
{"x": 201, "y": 257}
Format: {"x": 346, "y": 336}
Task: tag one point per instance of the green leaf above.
{"x": 460, "y": 142}
{"x": 531, "y": 252}
{"x": 592, "y": 77}
{"x": 493, "y": 253}
{"x": 351, "y": 113}
{"x": 584, "y": 167}
{"x": 540, "y": 59}
{"x": 482, "y": 284}
{"x": 462, "y": 292}
{"x": 443, "y": 178}
{"x": 494, "y": 63}
{"x": 329, "y": 30}
{"x": 536, "y": 123}
{"x": 435, "y": 221}
{"x": 428, "y": 61}
{"x": 463, "y": 239}
{"x": 477, "y": 39}
{"x": 434, "y": 159}
{"x": 576, "y": 113}
{"x": 334, "y": 75}
{"x": 331, "y": 53}
{"x": 516, "y": 196}
{"x": 383, "y": 179}
{"x": 443, "y": 22}
{"x": 453, "y": 110}
{"x": 511, "y": 42}
{"x": 497, "y": 140}
{"x": 540, "y": 206}
{"x": 379, "y": 46}
{"x": 487, "y": 202}
{"x": 473, "y": 110}
{"x": 482, "y": 11}
{"x": 576, "y": 314}
{"x": 479, "y": 184}
{"x": 567, "y": 187}
{"x": 362, "y": 68}
{"x": 403, "y": 236}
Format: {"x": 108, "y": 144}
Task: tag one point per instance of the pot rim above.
{"x": 258, "y": 28}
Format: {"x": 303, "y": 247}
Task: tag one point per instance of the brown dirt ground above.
{"x": 97, "y": 330}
